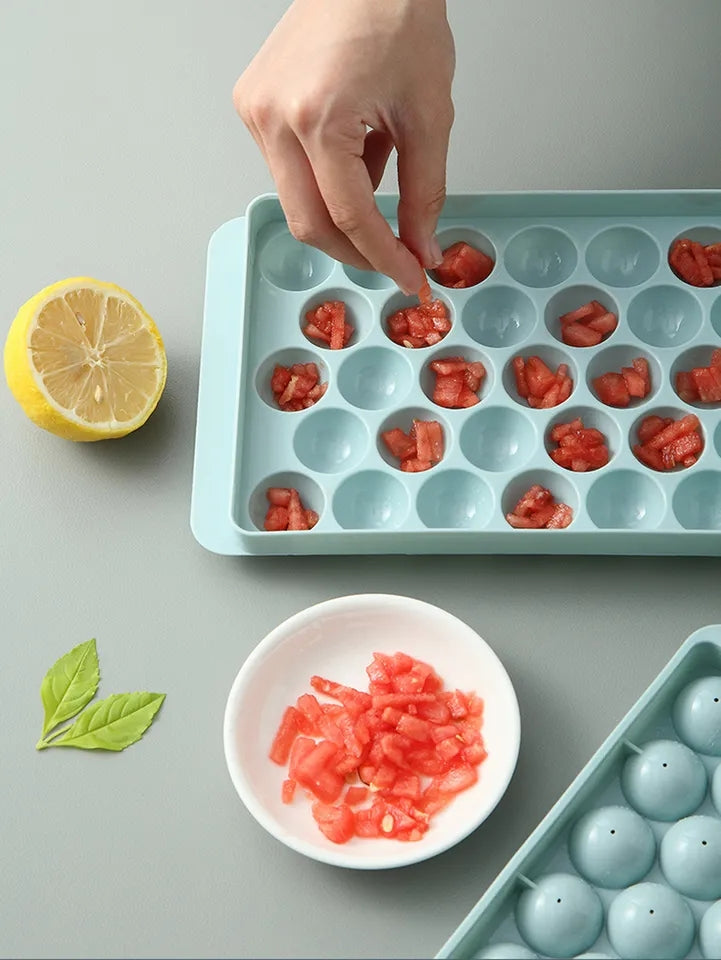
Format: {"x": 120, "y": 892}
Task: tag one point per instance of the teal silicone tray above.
{"x": 628, "y": 862}
{"x": 553, "y": 252}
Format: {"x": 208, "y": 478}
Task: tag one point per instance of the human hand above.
{"x": 330, "y": 70}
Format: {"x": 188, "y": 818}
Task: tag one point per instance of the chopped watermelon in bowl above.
{"x": 334, "y": 643}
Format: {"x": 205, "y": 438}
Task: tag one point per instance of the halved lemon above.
{"x": 85, "y": 361}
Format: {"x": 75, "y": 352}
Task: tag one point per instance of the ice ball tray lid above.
{"x": 552, "y": 253}
{"x": 628, "y": 862}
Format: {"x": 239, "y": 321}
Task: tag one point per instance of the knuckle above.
{"x": 304, "y": 232}
{"x": 349, "y": 220}
{"x": 303, "y": 114}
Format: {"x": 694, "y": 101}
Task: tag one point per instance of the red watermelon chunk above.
{"x": 538, "y": 385}
{"x": 579, "y": 449}
{"x": 286, "y": 511}
{"x": 587, "y": 325}
{"x": 702, "y": 384}
{"x": 664, "y": 443}
{"x": 457, "y": 382}
{"x": 418, "y": 450}
{"x": 419, "y": 326}
{"x": 297, "y": 387}
{"x": 695, "y": 264}
{"x": 327, "y": 324}
{"x": 537, "y": 509}
{"x": 463, "y": 266}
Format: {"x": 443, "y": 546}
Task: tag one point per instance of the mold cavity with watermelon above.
{"x": 592, "y": 419}
{"x": 665, "y": 316}
{"x": 414, "y": 325}
{"x": 374, "y": 378}
{"x": 697, "y": 262}
{"x": 310, "y": 493}
{"x": 444, "y": 377}
{"x": 371, "y": 500}
{"x": 624, "y": 376}
{"x": 626, "y": 500}
{"x": 541, "y": 257}
{"x": 331, "y": 441}
{"x": 499, "y": 316}
{"x": 584, "y": 331}
{"x": 696, "y": 377}
{"x": 288, "y": 264}
{"x": 413, "y": 449}
{"x": 498, "y": 439}
{"x": 623, "y": 256}
{"x": 557, "y": 483}
{"x": 463, "y": 267}
{"x": 356, "y": 312}
{"x": 455, "y": 500}
{"x": 667, "y": 439}
{"x": 542, "y": 383}
{"x": 286, "y": 359}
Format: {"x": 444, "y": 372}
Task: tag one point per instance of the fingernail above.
{"x": 436, "y": 254}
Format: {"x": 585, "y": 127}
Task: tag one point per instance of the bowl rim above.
{"x": 341, "y": 857}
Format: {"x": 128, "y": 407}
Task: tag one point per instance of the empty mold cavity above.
{"x": 690, "y": 857}
{"x": 703, "y": 235}
{"x": 559, "y": 484}
{"x": 499, "y": 317}
{"x": 371, "y": 500}
{"x": 399, "y": 301}
{"x": 310, "y": 494}
{"x": 505, "y": 951}
{"x": 473, "y": 238}
{"x": 331, "y": 441}
{"x": 664, "y": 780}
{"x": 403, "y": 419}
{"x": 571, "y": 298}
{"x": 694, "y": 357}
{"x": 428, "y": 376}
{"x": 626, "y": 500}
{"x": 553, "y": 357}
{"x": 613, "y": 359}
{"x": 358, "y": 312}
{"x": 673, "y": 413}
{"x": 697, "y": 716}
{"x": 498, "y": 439}
{"x": 709, "y": 931}
{"x": 285, "y": 358}
{"x": 612, "y": 847}
{"x": 716, "y": 317}
{"x": 650, "y": 920}
{"x": 454, "y": 499}
{"x": 665, "y": 316}
{"x": 541, "y": 257}
{"x": 622, "y": 256}
{"x": 290, "y": 265}
{"x": 592, "y": 418}
{"x": 368, "y": 279}
{"x": 560, "y": 915}
{"x": 373, "y": 378}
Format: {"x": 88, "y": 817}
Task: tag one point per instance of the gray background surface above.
{"x": 120, "y": 155}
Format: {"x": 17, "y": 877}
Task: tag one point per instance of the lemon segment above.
{"x": 85, "y": 361}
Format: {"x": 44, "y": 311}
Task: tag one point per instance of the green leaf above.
{"x": 113, "y": 723}
{"x": 69, "y": 684}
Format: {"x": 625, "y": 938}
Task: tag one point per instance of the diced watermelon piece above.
{"x": 336, "y": 822}
{"x": 538, "y": 377}
{"x": 458, "y": 778}
{"x": 612, "y": 390}
{"x": 586, "y": 312}
{"x": 519, "y": 371}
{"x": 463, "y": 266}
{"x": 676, "y": 429}
{"x": 284, "y": 737}
{"x": 399, "y": 444}
{"x": 315, "y": 772}
{"x": 448, "y": 389}
{"x": 419, "y": 326}
{"x": 537, "y": 508}
{"x": 578, "y": 335}
{"x": 279, "y": 379}
{"x": 414, "y": 465}
{"x": 449, "y": 366}
{"x": 686, "y": 386}
{"x": 276, "y": 519}
{"x": 288, "y": 791}
{"x": 423, "y": 442}
{"x": 604, "y": 324}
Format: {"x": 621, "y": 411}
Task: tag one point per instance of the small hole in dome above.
{"x": 650, "y": 911}
{"x": 559, "y": 900}
{"x": 715, "y": 699}
{"x": 703, "y": 843}
{"x": 613, "y": 831}
{"x": 664, "y": 764}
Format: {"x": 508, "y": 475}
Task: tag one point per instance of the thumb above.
{"x": 422, "y": 154}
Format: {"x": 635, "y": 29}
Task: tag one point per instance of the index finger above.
{"x": 347, "y": 191}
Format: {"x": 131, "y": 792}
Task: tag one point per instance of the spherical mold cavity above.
{"x": 285, "y": 358}
{"x": 371, "y": 500}
{"x": 454, "y": 500}
{"x": 498, "y": 439}
{"x": 474, "y": 238}
{"x": 716, "y": 788}
{"x": 399, "y": 301}
{"x": 553, "y": 357}
{"x": 614, "y": 359}
{"x": 505, "y": 951}
{"x": 592, "y": 419}
{"x": 571, "y": 298}
{"x": 715, "y": 317}
{"x": 612, "y": 847}
{"x": 697, "y": 715}
{"x": 560, "y": 916}
{"x": 358, "y": 313}
{"x": 471, "y": 355}
{"x": 499, "y": 317}
{"x": 374, "y": 378}
{"x": 665, "y": 413}
{"x": 622, "y": 256}
{"x": 626, "y": 500}
{"x": 288, "y": 264}
{"x": 403, "y": 420}
{"x": 705, "y": 236}
{"x": 310, "y": 493}
{"x": 368, "y": 279}
{"x": 648, "y": 920}
{"x": 709, "y": 931}
{"x": 690, "y": 857}
{"x": 541, "y": 257}
{"x": 687, "y": 361}
{"x": 331, "y": 441}
{"x": 558, "y": 483}
{"x": 665, "y": 781}
{"x": 665, "y": 316}
{"x": 697, "y": 501}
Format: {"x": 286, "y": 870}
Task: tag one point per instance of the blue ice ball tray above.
{"x": 552, "y": 252}
{"x": 628, "y": 862}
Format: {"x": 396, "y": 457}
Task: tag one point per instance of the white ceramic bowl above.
{"x": 336, "y": 639}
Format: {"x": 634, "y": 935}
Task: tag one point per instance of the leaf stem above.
{"x": 45, "y": 742}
